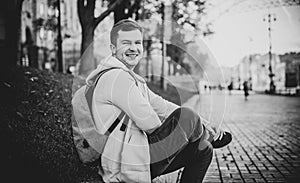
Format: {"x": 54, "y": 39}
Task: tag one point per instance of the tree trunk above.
{"x": 11, "y": 18}
{"x": 119, "y": 12}
{"x": 86, "y": 18}
{"x": 87, "y": 61}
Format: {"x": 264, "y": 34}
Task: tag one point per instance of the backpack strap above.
{"x": 125, "y": 123}
{"x": 89, "y": 96}
{"x": 115, "y": 123}
{"x": 90, "y": 89}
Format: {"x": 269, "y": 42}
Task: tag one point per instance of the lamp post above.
{"x": 166, "y": 8}
{"x": 270, "y": 18}
{"x": 59, "y": 40}
{"x": 250, "y": 63}
{"x": 162, "y": 82}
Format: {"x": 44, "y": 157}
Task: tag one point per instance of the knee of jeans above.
{"x": 188, "y": 113}
{"x": 190, "y": 122}
{"x": 205, "y": 150}
{"x": 205, "y": 145}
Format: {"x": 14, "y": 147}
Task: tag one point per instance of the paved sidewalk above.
{"x": 266, "y": 138}
{"x": 266, "y": 132}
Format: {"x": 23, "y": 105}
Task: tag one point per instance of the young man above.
{"x": 160, "y": 137}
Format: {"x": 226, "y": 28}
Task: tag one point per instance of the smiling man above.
{"x": 127, "y": 46}
{"x": 148, "y": 136}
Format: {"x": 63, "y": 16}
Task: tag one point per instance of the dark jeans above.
{"x": 179, "y": 143}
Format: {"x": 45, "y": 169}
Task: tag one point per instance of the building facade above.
{"x": 255, "y": 70}
{"x": 292, "y": 71}
{"x": 38, "y": 38}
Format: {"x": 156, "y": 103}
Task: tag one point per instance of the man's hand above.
{"x": 218, "y": 133}
{"x": 214, "y": 132}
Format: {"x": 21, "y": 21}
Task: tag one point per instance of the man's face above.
{"x": 129, "y": 47}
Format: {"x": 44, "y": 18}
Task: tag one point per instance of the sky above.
{"x": 240, "y": 34}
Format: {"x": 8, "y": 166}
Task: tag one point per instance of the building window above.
{"x": 42, "y": 9}
{"x": 50, "y": 12}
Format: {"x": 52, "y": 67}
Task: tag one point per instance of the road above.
{"x": 266, "y": 137}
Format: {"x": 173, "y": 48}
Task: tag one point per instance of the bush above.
{"x": 36, "y": 129}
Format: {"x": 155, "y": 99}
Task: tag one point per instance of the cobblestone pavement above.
{"x": 266, "y": 137}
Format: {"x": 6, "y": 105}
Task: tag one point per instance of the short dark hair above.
{"x": 123, "y": 25}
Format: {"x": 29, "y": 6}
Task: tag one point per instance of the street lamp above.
{"x": 165, "y": 6}
{"x": 59, "y": 40}
{"x": 270, "y": 18}
{"x": 250, "y": 63}
{"x": 162, "y": 82}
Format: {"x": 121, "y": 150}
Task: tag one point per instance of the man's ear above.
{"x": 113, "y": 49}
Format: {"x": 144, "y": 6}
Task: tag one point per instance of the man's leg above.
{"x": 178, "y": 143}
{"x": 195, "y": 159}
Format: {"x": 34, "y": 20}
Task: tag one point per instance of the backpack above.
{"x": 88, "y": 141}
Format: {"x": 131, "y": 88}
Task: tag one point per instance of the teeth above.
{"x": 132, "y": 56}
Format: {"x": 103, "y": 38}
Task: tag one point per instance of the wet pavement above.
{"x": 266, "y": 137}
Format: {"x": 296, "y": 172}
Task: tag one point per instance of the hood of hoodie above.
{"x": 109, "y": 62}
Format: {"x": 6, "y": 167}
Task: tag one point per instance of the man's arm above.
{"x": 161, "y": 106}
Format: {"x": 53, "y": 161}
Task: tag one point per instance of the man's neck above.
{"x": 126, "y": 65}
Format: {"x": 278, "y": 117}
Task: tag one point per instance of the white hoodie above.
{"x": 126, "y": 157}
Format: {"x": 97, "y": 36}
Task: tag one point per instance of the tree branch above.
{"x": 134, "y": 7}
{"x": 110, "y": 8}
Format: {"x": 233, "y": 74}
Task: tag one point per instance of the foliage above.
{"x": 189, "y": 13}
{"x": 49, "y": 23}
{"x": 36, "y": 128}
{"x": 188, "y": 17}
{"x": 127, "y": 9}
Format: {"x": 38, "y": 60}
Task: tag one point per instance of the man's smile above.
{"x": 132, "y": 55}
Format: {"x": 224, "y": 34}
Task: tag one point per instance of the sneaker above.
{"x": 224, "y": 139}
{"x": 218, "y": 138}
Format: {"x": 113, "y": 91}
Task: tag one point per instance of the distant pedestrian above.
{"x": 230, "y": 87}
{"x": 246, "y": 89}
